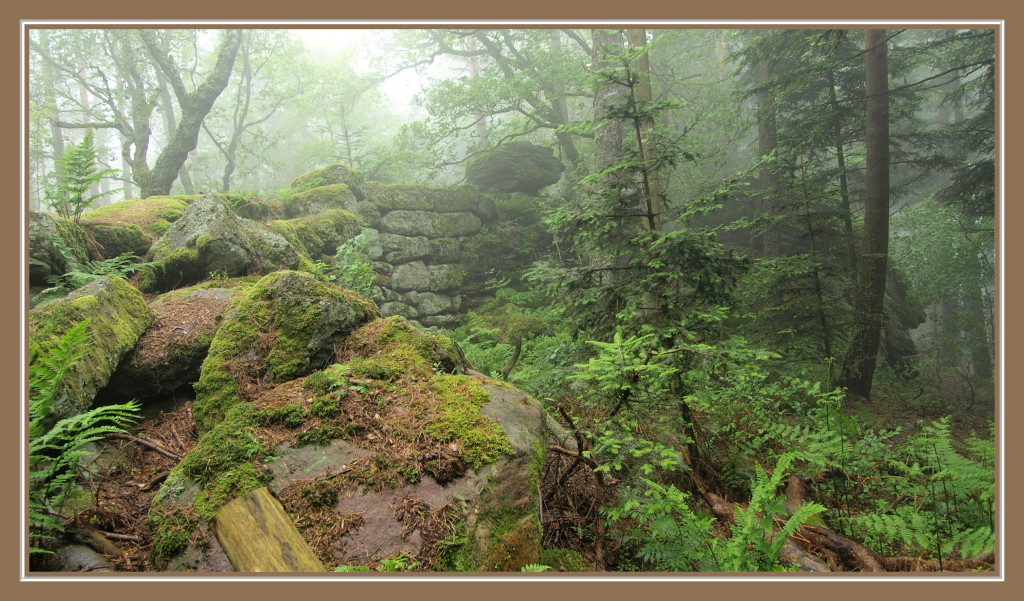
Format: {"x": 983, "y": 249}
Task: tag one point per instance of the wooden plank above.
{"x": 258, "y": 536}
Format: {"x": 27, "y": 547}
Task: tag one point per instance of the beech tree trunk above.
{"x": 859, "y": 366}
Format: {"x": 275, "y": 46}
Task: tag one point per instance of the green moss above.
{"x": 152, "y": 215}
{"x": 323, "y": 435}
{"x": 439, "y": 351}
{"x": 325, "y": 176}
{"x": 283, "y": 317}
{"x": 291, "y": 416}
{"x": 228, "y": 444}
{"x": 481, "y": 439}
{"x": 319, "y": 199}
{"x": 74, "y": 238}
{"x": 171, "y": 528}
{"x": 564, "y": 560}
{"x": 325, "y": 407}
{"x": 119, "y": 239}
{"x": 119, "y": 315}
{"x": 320, "y": 494}
{"x": 246, "y": 206}
{"x": 229, "y": 485}
{"x": 390, "y": 365}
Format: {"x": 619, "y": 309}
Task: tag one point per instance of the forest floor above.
{"x": 126, "y": 475}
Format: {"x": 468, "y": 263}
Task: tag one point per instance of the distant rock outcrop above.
{"x": 514, "y": 167}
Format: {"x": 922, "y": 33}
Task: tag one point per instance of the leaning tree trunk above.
{"x": 859, "y": 366}
{"x": 195, "y": 106}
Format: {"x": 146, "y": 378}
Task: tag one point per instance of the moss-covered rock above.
{"x": 430, "y": 224}
{"x": 328, "y": 176}
{"x": 118, "y": 316}
{"x": 419, "y": 277}
{"x": 209, "y": 238}
{"x": 284, "y": 327}
{"x": 115, "y": 240}
{"x": 319, "y": 235}
{"x": 152, "y": 215}
{"x": 170, "y": 353}
{"x": 317, "y": 200}
{"x": 411, "y": 197}
{"x": 54, "y": 245}
{"x": 438, "y": 350}
{"x": 514, "y": 167}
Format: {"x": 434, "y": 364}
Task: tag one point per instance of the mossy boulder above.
{"x": 284, "y": 327}
{"x": 318, "y": 235}
{"x": 411, "y": 197}
{"x": 514, "y": 167}
{"x": 118, "y": 316}
{"x": 317, "y": 200}
{"x": 209, "y": 238}
{"x": 329, "y": 176}
{"x": 393, "y": 332}
{"x": 115, "y": 240}
{"x": 54, "y": 244}
{"x": 152, "y": 215}
{"x": 170, "y": 353}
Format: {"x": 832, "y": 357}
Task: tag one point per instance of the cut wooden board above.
{"x": 258, "y": 536}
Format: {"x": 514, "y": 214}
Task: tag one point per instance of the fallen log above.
{"x": 258, "y": 536}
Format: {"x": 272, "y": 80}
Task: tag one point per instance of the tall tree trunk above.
{"x": 608, "y": 96}
{"x": 859, "y": 366}
{"x": 767, "y": 136}
{"x": 561, "y": 108}
{"x": 171, "y": 125}
{"x": 195, "y": 106}
{"x": 644, "y": 130}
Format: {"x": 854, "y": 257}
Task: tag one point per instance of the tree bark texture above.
{"x": 258, "y": 536}
{"x": 859, "y": 366}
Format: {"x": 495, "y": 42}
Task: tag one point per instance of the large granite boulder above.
{"x": 319, "y": 235}
{"x": 54, "y": 245}
{"x": 319, "y": 199}
{"x": 169, "y": 354}
{"x": 514, "y": 167}
{"x": 117, "y": 315}
{"x": 210, "y": 238}
{"x": 329, "y": 176}
{"x": 285, "y": 326}
{"x": 392, "y": 451}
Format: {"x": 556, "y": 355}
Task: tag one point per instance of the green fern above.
{"x": 56, "y": 451}
{"x": 750, "y": 548}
